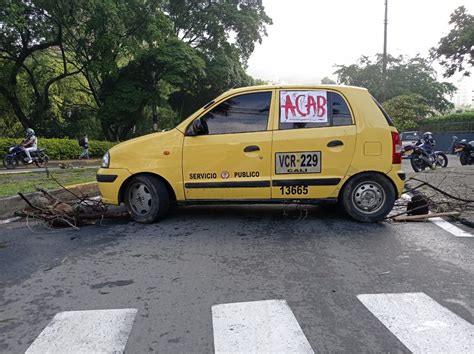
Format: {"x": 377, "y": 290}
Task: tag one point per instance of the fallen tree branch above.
{"x": 446, "y": 194}
{"x": 425, "y": 216}
{"x": 25, "y": 199}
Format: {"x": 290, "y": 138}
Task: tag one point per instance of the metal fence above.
{"x": 455, "y": 127}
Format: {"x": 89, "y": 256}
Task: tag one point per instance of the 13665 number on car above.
{"x": 292, "y": 190}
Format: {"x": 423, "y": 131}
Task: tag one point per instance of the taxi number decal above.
{"x": 298, "y": 162}
{"x": 287, "y": 190}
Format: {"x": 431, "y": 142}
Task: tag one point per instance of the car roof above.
{"x": 297, "y": 87}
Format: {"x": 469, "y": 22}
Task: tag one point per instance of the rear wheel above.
{"x": 441, "y": 159}
{"x": 147, "y": 199}
{"x": 10, "y": 162}
{"x": 463, "y": 158}
{"x": 368, "y": 197}
{"x": 42, "y": 160}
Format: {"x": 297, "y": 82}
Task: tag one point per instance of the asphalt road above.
{"x": 174, "y": 271}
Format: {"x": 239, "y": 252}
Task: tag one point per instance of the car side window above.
{"x": 338, "y": 113}
{"x": 341, "y": 115}
{"x": 240, "y": 114}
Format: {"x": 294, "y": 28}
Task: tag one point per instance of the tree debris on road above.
{"x": 445, "y": 192}
{"x": 74, "y": 212}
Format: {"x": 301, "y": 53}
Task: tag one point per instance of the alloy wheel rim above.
{"x": 368, "y": 197}
{"x": 140, "y": 199}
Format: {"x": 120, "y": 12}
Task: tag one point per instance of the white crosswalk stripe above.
{"x": 97, "y": 331}
{"x": 445, "y": 225}
{"x": 452, "y": 229}
{"x": 257, "y": 327}
{"x": 420, "y": 323}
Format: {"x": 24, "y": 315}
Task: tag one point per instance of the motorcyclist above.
{"x": 428, "y": 139}
{"x": 30, "y": 144}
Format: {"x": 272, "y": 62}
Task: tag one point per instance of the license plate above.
{"x": 298, "y": 162}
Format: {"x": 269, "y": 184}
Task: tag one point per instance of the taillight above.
{"x": 396, "y": 148}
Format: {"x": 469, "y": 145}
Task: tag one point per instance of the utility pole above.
{"x": 153, "y": 106}
{"x": 384, "y": 60}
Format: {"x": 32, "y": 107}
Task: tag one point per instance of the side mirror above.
{"x": 199, "y": 127}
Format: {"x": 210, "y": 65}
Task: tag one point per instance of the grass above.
{"x": 11, "y": 184}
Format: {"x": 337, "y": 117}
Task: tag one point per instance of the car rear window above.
{"x": 409, "y": 136}
{"x": 337, "y": 111}
{"x": 385, "y": 114}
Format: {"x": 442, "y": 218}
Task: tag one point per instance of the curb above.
{"x": 9, "y": 205}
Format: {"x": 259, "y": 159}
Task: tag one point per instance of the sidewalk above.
{"x": 54, "y": 165}
{"x": 457, "y": 181}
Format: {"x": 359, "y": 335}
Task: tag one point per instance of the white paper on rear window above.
{"x": 303, "y": 107}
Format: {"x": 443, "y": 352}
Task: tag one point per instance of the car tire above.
{"x": 368, "y": 197}
{"x": 147, "y": 199}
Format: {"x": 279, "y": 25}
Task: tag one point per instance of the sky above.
{"x": 309, "y": 37}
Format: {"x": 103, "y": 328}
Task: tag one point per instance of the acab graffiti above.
{"x": 303, "y": 106}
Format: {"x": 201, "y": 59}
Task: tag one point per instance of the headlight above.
{"x": 106, "y": 160}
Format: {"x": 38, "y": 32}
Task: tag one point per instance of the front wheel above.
{"x": 42, "y": 160}
{"x": 368, "y": 197}
{"x": 464, "y": 159}
{"x": 417, "y": 164}
{"x": 10, "y": 162}
{"x": 441, "y": 159}
{"x": 147, "y": 199}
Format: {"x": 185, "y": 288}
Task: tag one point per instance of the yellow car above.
{"x": 264, "y": 144}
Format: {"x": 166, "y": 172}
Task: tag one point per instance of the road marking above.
{"x": 98, "y": 331}
{"x": 7, "y": 221}
{"x": 445, "y": 225}
{"x": 420, "y": 323}
{"x": 256, "y": 327}
{"x": 452, "y": 229}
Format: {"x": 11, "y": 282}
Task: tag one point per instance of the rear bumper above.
{"x": 398, "y": 178}
{"x": 110, "y": 180}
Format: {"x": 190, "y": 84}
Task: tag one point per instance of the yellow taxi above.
{"x": 264, "y": 144}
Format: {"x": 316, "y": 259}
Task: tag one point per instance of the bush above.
{"x": 63, "y": 149}
{"x": 465, "y": 117}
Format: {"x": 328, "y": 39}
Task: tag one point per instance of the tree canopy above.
{"x": 68, "y": 65}
{"x": 456, "y": 50}
{"x": 404, "y": 76}
{"x": 407, "y": 111}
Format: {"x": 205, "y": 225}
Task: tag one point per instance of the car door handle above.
{"x": 335, "y": 143}
{"x": 251, "y": 148}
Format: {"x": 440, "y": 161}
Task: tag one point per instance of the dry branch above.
{"x": 425, "y": 216}
{"x": 71, "y": 213}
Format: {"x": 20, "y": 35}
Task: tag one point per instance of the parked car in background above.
{"x": 409, "y": 138}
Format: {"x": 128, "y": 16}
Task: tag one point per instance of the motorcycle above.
{"x": 466, "y": 152}
{"x": 423, "y": 156}
{"x": 16, "y": 155}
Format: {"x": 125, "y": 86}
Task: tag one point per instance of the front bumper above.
{"x": 110, "y": 180}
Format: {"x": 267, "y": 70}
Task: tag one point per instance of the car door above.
{"x": 313, "y": 144}
{"x": 230, "y": 158}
